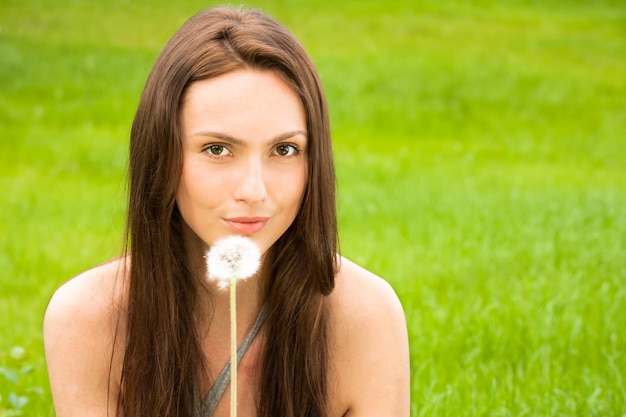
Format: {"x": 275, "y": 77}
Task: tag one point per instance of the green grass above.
{"x": 481, "y": 156}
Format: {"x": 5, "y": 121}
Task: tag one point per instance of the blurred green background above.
{"x": 481, "y": 156}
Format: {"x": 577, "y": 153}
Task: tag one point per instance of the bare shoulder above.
{"x": 371, "y": 370}
{"x": 361, "y": 294}
{"x": 88, "y": 298}
{"x": 81, "y": 325}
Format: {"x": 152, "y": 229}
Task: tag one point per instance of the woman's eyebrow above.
{"x": 240, "y": 142}
{"x": 221, "y": 136}
{"x": 287, "y": 135}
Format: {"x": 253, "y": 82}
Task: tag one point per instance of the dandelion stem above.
{"x": 233, "y": 348}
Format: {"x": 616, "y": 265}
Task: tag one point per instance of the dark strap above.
{"x": 207, "y": 408}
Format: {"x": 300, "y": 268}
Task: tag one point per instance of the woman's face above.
{"x": 244, "y": 144}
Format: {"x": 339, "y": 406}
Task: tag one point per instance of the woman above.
{"x": 231, "y": 137}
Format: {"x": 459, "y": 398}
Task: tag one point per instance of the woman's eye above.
{"x": 218, "y": 150}
{"x": 286, "y": 150}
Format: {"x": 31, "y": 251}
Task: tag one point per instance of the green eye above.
{"x": 217, "y": 150}
{"x": 286, "y": 150}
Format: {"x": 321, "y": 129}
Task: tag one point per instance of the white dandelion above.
{"x": 229, "y": 260}
{"x": 232, "y": 258}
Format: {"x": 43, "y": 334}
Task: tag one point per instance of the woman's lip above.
{"x": 246, "y": 225}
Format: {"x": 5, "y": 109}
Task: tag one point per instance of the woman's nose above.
{"x": 251, "y": 185}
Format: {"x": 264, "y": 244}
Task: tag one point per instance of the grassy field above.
{"x": 481, "y": 154}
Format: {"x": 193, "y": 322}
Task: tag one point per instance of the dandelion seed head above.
{"x": 232, "y": 258}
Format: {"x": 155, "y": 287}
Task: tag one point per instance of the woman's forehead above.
{"x": 243, "y": 104}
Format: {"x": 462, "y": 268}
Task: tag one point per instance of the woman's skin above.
{"x": 244, "y": 144}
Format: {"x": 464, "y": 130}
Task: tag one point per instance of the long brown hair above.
{"x": 163, "y": 351}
